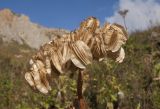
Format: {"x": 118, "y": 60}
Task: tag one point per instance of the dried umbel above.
{"x": 80, "y": 47}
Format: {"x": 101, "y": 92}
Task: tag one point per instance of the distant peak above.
{"x": 8, "y": 15}
{"x": 6, "y": 10}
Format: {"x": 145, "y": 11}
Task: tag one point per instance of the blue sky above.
{"x": 61, "y": 13}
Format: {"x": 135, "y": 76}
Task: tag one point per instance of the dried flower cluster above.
{"x": 79, "y": 48}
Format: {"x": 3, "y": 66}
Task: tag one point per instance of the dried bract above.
{"x": 87, "y": 43}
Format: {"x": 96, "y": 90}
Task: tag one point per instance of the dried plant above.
{"x": 123, "y": 13}
{"x": 79, "y": 48}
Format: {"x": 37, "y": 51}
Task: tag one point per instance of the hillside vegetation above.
{"x": 136, "y": 77}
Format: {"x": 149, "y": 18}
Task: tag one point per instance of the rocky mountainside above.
{"x": 19, "y": 28}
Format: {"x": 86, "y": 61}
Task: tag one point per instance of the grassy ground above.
{"x": 134, "y": 77}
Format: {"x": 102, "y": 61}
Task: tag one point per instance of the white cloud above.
{"x": 142, "y": 14}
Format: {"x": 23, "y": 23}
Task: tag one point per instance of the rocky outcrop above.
{"x": 19, "y": 28}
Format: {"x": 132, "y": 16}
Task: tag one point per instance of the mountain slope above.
{"x": 19, "y": 28}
